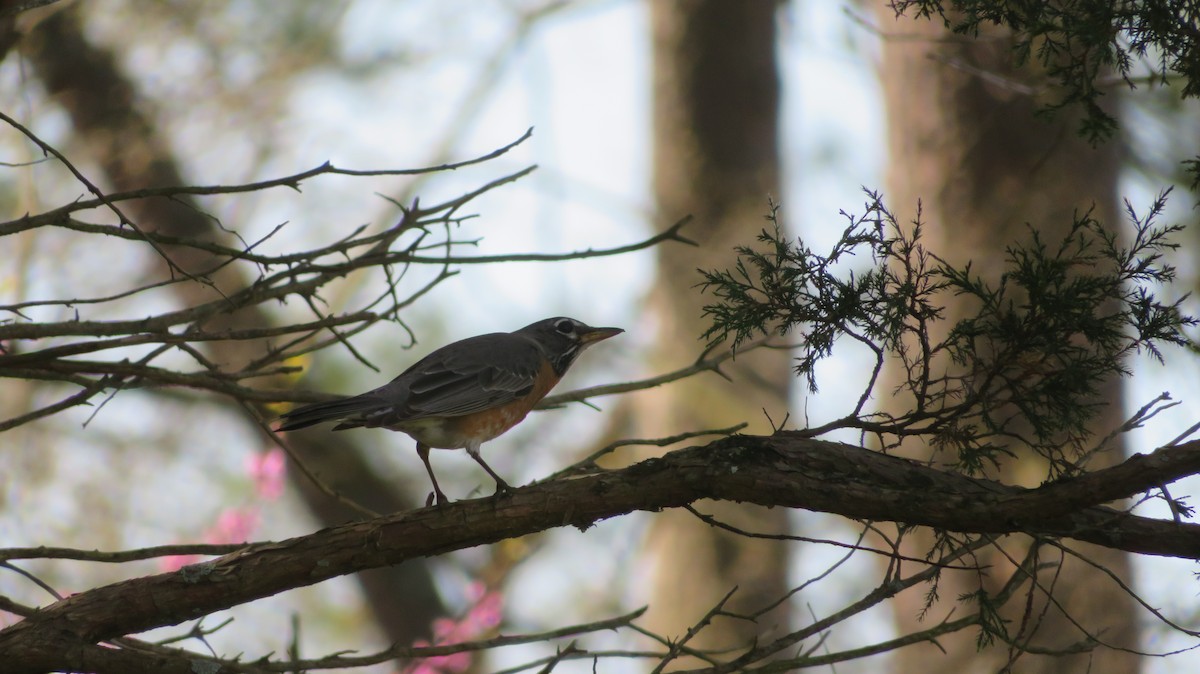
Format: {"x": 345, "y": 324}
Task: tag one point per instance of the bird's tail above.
{"x": 344, "y": 410}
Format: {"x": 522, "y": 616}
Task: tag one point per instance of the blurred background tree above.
{"x": 716, "y": 98}
{"x": 113, "y": 126}
{"x": 983, "y": 165}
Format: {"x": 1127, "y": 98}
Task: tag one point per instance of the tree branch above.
{"x": 780, "y": 470}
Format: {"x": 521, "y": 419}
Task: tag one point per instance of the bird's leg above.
{"x": 423, "y": 452}
{"x": 501, "y": 486}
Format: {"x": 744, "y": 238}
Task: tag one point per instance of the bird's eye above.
{"x": 565, "y": 326}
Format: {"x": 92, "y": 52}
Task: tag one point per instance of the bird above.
{"x": 465, "y": 393}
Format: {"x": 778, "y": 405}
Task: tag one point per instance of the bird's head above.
{"x": 563, "y": 339}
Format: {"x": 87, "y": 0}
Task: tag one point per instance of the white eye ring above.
{"x": 565, "y": 326}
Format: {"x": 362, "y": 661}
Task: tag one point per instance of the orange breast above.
{"x": 457, "y": 432}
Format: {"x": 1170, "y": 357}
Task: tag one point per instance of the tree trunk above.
{"x": 112, "y": 124}
{"x": 716, "y": 100}
{"x": 965, "y": 141}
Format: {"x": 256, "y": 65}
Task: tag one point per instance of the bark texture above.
{"x": 785, "y": 469}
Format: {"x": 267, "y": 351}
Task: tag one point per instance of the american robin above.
{"x": 465, "y": 393}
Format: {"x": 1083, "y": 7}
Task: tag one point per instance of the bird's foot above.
{"x": 437, "y": 496}
{"x": 502, "y": 488}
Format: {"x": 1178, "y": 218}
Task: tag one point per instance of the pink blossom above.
{"x": 439, "y": 664}
{"x": 482, "y": 617}
{"x": 443, "y": 629}
{"x": 177, "y": 562}
{"x": 488, "y": 613}
{"x": 235, "y": 525}
{"x": 268, "y": 469}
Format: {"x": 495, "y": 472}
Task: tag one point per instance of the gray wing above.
{"x": 475, "y": 374}
{"x": 468, "y": 376}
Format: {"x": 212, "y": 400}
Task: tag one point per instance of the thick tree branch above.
{"x": 781, "y": 470}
